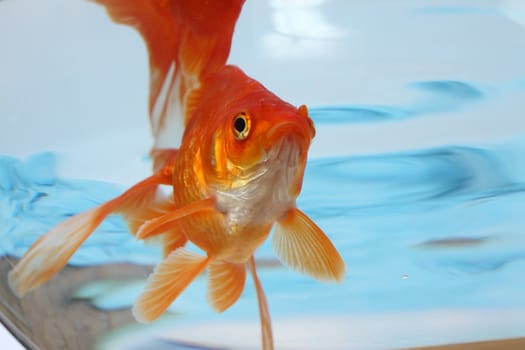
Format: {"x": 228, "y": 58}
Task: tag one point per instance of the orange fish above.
{"x": 234, "y": 153}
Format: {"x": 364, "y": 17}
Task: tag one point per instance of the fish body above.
{"x": 253, "y": 180}
{"x": 234, "y": 154}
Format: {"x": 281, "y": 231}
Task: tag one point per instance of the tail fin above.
{"x": 185, "y": 41}
{"x": 51, "y": 252}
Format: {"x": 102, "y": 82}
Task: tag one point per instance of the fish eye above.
{"x": 241, "y": 126}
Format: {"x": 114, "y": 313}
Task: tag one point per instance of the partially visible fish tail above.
{"x": 154, "y": 20}
{"x": 185, "y": 40}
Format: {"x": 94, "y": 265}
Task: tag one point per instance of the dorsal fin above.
{"x": 185, "y": 40}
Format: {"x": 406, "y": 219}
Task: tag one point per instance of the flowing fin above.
{"x": 51, "y": 252}
{"x": 147, "y": 202}
{"x": 302, "y": 245}
{"x": 226, "y": 283}
{"x": 185, "y": 40}
{"x": 155, "y": 22}
{"x": 154, "y": 204}
{"x": 164, "y": 222}
{"x": 144, "y": 208}
{"x": 173, "y": 239}
{"x": 264, "y": 312}
{"x": 163, "y": 159}
{"x": 167, "y": 282}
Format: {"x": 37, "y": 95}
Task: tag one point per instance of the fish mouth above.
{"x": 290, "y": 130}
{"x": 287, "y": 144}
{"x": 284, "y": 166}
{"x": 283, "y": 159}
{"x": 284, "y": 154}
{"x": 269, "y": 188}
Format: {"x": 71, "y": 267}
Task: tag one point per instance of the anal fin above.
{"x": 169, "y": 279}
{"x": 226, "y": 283}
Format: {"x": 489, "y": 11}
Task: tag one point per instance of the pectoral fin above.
{"x": 50, "y": 253}
{"x": 226, "y": 283}
{"x": 164, "y": 222}
{"x": 167, "y": 282}
{"x": 301, "y": 244}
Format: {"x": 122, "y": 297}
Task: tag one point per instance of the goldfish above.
{"x": 234, "y": 155}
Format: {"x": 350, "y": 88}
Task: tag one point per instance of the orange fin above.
{"x": 50, "y": 253}
{"x": 264, "y": 312}
{"x": 136, "y": 211}
{"x": 167, "y": 282}
{"x": 152, "y": 206}
{"x": 163, "y": 159}
{"x": 226, "y": 283}
{"x": 302, "y": 245}
{"x": 142, "y": 202}
{"x": 185, "y": 41}
{"x": 156, "y": 23}
{"x": 162, "y": 223}
{"x": 173, "y": 239}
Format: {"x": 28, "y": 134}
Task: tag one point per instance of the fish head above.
{"x": 248, "y": 148}
{"x": 262, "y": 145}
